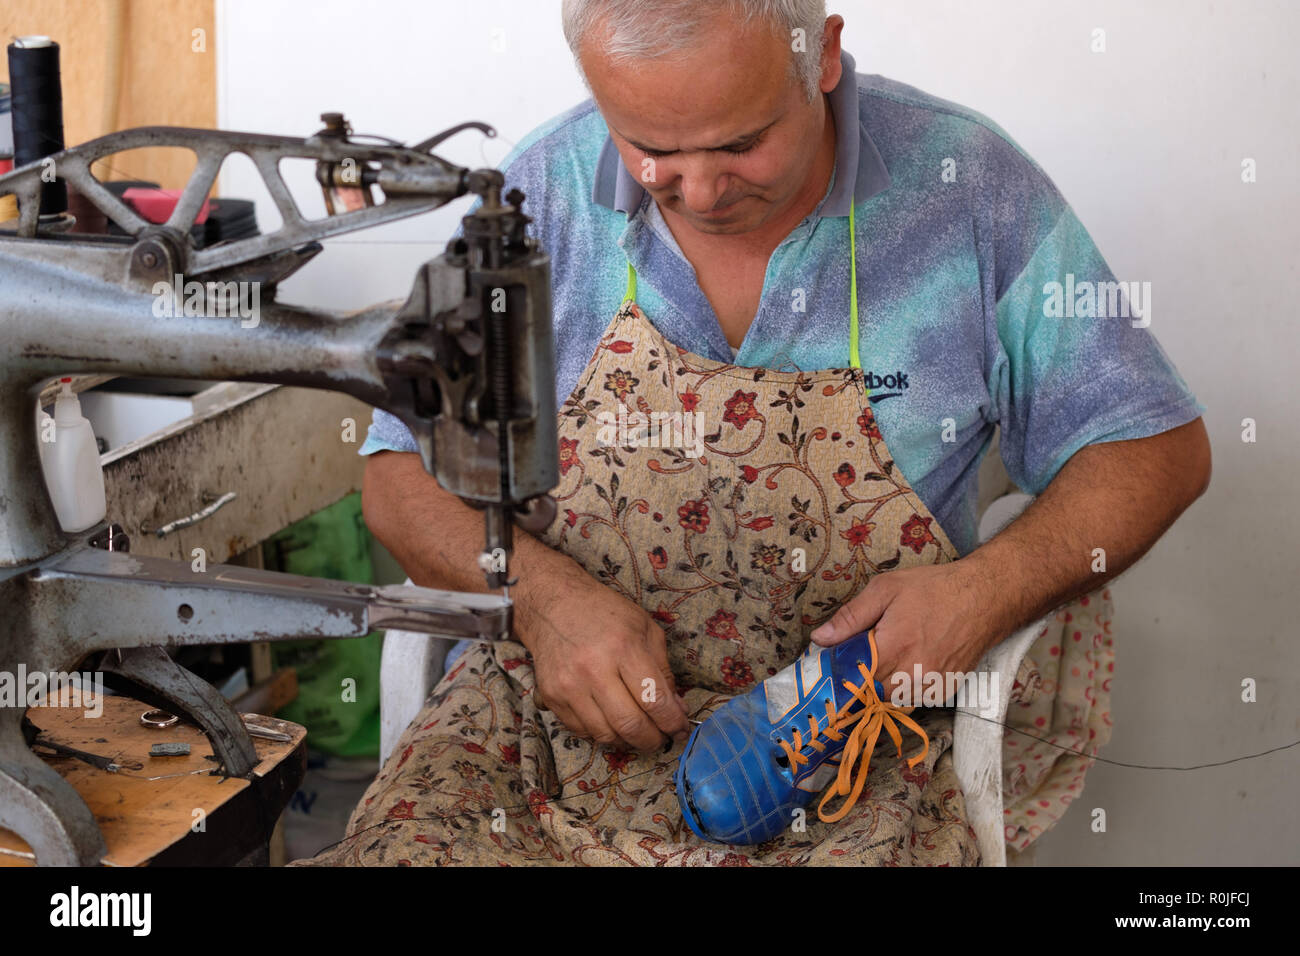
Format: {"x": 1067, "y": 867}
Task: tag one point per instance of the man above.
{"x": 720, "y": 157}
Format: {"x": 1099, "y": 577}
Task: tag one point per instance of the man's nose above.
{"x": 702, "y": 185}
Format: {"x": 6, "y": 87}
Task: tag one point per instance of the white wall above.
{"x": 409, "y": 70}
{"x": 1146, "y": 141}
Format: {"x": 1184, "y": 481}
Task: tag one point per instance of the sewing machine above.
{"x": 466, "y": 362}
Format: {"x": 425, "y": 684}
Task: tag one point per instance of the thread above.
{"x": 38, "y": 111}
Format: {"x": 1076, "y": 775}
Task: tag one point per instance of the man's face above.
{"x": 723, "y": 136}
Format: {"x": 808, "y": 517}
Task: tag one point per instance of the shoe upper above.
{"x": 735, "y": 782}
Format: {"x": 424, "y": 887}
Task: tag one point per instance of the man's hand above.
{"x": 1111, "y": 500}
{"x": 602, "y": 665}
{"x": 940, "y": 616}
{"x": 593, "y": 650}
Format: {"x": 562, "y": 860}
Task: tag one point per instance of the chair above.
{"x": 978, "y": 733}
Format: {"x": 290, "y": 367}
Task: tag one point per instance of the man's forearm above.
{"x": 1105, "y": 508}
{"x": 437, "y": 538}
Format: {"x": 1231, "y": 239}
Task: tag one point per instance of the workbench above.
{"x": 173, "y": 811}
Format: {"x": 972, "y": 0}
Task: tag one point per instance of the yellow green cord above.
{"x": 855, "y": 359}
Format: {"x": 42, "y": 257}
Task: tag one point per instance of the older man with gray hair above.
{"x": 842, "y": 279}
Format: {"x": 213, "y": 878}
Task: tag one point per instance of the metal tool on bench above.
{"x": 466, "y": 362}
{"x": 32, "y": 737}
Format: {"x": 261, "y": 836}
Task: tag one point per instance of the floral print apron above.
{"x": 738, "y": 537}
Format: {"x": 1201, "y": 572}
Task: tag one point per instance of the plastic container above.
{"x": 73, "y": 473}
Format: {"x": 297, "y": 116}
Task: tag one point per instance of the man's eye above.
{"x": 733, "y": 151}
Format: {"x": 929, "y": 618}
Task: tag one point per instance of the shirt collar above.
{"x": 617, "y": 189}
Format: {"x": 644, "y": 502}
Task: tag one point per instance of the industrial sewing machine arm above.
{"x": 466, "y": 362}
{"x": 470, "y": 331}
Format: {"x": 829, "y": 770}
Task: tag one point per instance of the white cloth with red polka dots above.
{"x": 1022, "y": 756}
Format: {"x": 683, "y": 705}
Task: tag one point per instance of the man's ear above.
{"x": 832, "y": 68}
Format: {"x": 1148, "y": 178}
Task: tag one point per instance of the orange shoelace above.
{"x": 876, "y": 715}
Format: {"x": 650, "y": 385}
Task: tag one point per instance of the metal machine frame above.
{"x": 466, "y": 362}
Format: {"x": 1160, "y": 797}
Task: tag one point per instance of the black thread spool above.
{"x": 38, "y": 111}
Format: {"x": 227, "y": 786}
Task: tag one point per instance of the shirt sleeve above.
{"x": 1076, "y": 360}
{"x": 387, "y": 433}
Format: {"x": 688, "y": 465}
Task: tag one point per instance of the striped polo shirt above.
{"x": 983, "y": 302}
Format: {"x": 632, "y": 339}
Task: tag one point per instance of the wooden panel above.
{"x": 160, "y": 79}
{"x": 281, "y": 450}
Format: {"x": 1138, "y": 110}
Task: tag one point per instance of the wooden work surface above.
{"x": 141, "y": 818}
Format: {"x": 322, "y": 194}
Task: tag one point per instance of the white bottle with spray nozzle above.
{"x": 73, "y": 474}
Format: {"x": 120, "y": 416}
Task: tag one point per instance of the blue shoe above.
{"x": 748, "y": 767}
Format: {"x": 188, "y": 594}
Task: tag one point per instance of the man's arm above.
{"x": 435, "y": 536}
{"x": 1116, "y": 496}
{"x": 1119, "y": 496}
{"x": 592, "y": 649}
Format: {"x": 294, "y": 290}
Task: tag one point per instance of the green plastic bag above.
{"x": 338, "y": 680}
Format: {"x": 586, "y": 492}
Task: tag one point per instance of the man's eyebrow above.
{"x": 730, "y": 144}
